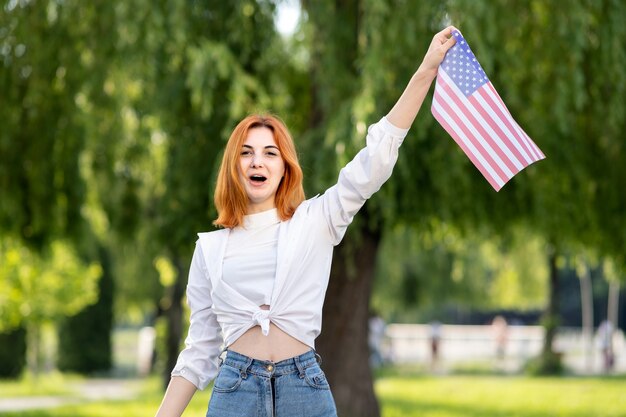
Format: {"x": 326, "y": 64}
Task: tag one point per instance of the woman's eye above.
{"x": 245, "y": 153}
{"x": 272, "y": 153}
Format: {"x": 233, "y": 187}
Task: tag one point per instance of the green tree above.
{"x": 334, "y": 29}
{"x": 574, "y": 198}
{"x": 420, "y": 273}
{"x": 41, "y": 127}
{"x": 85, "y": 343}
{"x": 38, "y": 289}
{"x": 59, "y": 121}
{"x": 12, "y": 352}
{"x": 549, "y": 87}
{"x": 197, "y": 83}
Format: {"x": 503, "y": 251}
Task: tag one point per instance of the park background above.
{"x": 113, "y": 117}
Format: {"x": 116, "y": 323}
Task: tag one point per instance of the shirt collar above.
{"x": 262, "y": 219}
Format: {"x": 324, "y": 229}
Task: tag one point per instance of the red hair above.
{"x": 230, "y": 197}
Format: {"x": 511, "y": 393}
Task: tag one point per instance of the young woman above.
{"x": 257, "y": 286}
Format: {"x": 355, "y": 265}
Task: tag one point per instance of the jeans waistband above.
{"x": 268, "y": 368}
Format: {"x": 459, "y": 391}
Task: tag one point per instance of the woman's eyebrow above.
{"x": 265, "y": 147}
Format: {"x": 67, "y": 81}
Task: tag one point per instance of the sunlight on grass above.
{"x": 146, "y": 404}
{"x": 404, "y": 395}
{"x": 54, "y": 383}
{"x": 481, "y": 396}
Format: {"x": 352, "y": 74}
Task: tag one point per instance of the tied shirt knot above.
{"x": 261, "y": 317}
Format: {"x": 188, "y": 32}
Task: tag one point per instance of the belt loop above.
{"x": 318, "y": 358}
{"x": 300, "y": 366}
{"x": 220, "y": 356}
{"x": 244, "y": 370}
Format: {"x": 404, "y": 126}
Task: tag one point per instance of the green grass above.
{"x": 404, "y": 395}
{"x": 49, "y": 384}
{"x": 146, "y": 404}
{"x": 498, "y": 396}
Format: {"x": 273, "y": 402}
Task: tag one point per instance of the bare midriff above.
{"x": 275, "y": 347}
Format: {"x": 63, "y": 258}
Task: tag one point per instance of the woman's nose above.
{"x": 257, "y": 161}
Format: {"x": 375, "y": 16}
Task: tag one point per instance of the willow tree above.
{"x": 204, "y": 66}
{"x": 362, "y": 55}
{"x": 545, "y": 64}
{"x": 562, "y": 75}
{"x": 42, "y": 191}
{"x": 48, "y": 57}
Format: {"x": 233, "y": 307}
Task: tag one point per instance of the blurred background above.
{"x": 113, "y": 117}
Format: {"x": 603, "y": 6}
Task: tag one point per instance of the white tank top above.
{"x": 250, "y": 261}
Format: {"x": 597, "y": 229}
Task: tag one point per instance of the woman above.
{"x": 257, "y": 286}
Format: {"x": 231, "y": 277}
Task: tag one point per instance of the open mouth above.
{"x": 257, "y": 179}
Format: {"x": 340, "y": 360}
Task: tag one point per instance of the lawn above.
{"x": 418, "y": 395}
{"x": 500, "y": 396}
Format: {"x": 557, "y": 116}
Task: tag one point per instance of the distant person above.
{"x": 261, "y": 280}
{"x": 500, "y": 330}
{"x": 375, "y": 339}
{"x": 605, "y": 343}
{"x": 435, "y": 344}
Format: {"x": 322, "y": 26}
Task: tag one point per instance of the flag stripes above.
{"x": 470, "y": 109}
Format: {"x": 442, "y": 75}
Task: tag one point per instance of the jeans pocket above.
{"x": 228, "y": 379}
{"x": 315, "y": 377}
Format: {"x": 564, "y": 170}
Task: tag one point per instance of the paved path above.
{"x": 86, "y": 391}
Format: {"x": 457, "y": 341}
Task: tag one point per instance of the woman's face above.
{"x": 261, "y": 169}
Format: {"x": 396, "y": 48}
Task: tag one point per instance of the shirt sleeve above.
{"x": 198, "y": 362}
{"x": 361, "y": 177}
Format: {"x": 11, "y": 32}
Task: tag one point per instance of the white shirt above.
{"x": 250, "y": 257}
{"x": 304, "y": 255}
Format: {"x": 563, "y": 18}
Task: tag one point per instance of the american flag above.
{"x": 471, "y": 111}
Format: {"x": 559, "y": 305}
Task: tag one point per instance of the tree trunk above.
{"x": 586, "y": 297}
{"x": 85, "y": 339}
{"x": 552, "y": 309}
{"x": 174, "y": 318}
{"x": 613, "y": 317}
{"x": 343, "y": 343}
{"x": 12, "y": 353}
{"x": 612, "y": 313}
{"x": 550, "y": 361}
{"x": 33, "y": 346}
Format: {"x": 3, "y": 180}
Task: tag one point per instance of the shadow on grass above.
{"x": 128, "y": 408}
{"x": 31, "y": 413}
{"x": 406, "y": 407}
{"x": 419, "y": 371}
{"x": 479, "y": 368}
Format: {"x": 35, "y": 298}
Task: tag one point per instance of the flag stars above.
{"x": 463, "y": 68}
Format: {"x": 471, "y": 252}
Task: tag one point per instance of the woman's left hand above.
{"x": 404, "y": 111}
{"x": 440, "y": 44}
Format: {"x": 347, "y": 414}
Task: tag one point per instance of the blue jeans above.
{"x": 247, "y": 387}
